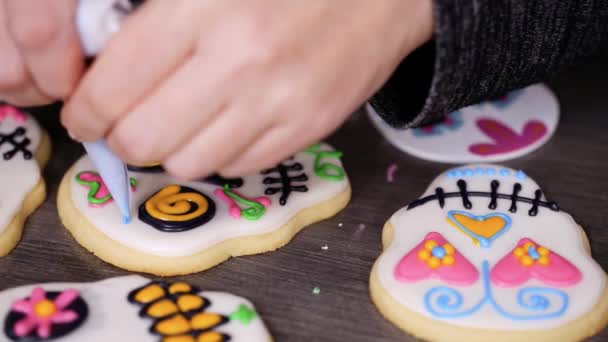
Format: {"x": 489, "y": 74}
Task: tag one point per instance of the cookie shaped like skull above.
{"x": 484, "y": 248}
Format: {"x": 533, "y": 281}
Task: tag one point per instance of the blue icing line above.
{"x": 468, "y": 172}
{"x": 449, "y": 301}
{"x": 490, "y": 171}
{"x": 520, "y": 175}
{"x": 505, "y": 172}
{"x": 479, "y": 171}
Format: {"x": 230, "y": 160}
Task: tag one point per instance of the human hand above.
{"x": 39, "y": 50}
{"x": 236, "y": 86}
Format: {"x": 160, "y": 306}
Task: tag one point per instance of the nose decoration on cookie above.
{"x": 530, "y": 260}
{"x": 436, "y": 257}
{"x": 483, "y": 230}
{"x": 177, "y": 208}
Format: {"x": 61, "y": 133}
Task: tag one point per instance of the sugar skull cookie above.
{"x": 483, "y": 255}
{"x": 130, "y": 308}
{"x": 186, "y": 227}
{"x": 506, "y": 128}
{"x": 24, "y": 150}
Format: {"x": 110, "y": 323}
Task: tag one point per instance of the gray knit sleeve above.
{"x": 484, "y": 48}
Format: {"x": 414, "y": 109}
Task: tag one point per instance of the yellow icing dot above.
{"x": 174, "y": 325}
{"x": 527, "y": 245}
{"x": 190, "y": 302}
{"x": 45, "y": 308}
{"x": 149, "y": 294}
{"x": 543, "y": 251}
{"x": 203, "y": 320}
{"x": 448, "y": 260}
{"x": 449, "y": 249}
{"x": 180, "y": 338}
{"x": 180, "y": 287}
{"x": 430, "y": 244}
{"x": 424, "y": 254}
{"x": 519, "y": 252}
{"x": 162, "y": 308}
{"x": 526, "y": 260}
{"x": 434, "y": 262}
{"x": 210, "y": 336}
{"x": 544, "y": 260}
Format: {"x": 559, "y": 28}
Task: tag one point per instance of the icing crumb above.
{"x": 340, "y": 224}
{"x": 316, "y": 290}
{"x": 325, "y": 247}
{"x": 390, "y": 172}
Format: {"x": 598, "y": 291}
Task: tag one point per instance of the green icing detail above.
{"x": 316, "y": 290}
{"x": 94, "y": 187}
{"x": 243, "y": 314}
{"x": 326, "y": 171}
{"x": 254, "y": 209}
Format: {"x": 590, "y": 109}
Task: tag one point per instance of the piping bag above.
{"x": 96, "y": 21}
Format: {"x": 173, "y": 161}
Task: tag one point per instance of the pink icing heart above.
{"x": 505, "y": 139}
{"x": 449, "y": 266}
{"x": 530, "y": 260}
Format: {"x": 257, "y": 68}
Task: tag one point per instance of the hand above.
{"x": 39, "y": 50}
{"x": 236, "y": 86}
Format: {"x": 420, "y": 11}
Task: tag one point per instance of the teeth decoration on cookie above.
{"x": 24, "y": 149}
{"x": 129, "y": 308}
{"x": 527, "y": 269}
{"x": 185, "y": 227}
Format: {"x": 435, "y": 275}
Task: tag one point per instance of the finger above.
{"x": 275, "y": 146}
{"x": 133, "y": 63}
{"x": 170, "y": 116}
{"x": 16, "y": 86}
{"x": 45, "y": 34}
{"x": 218, "y": 144}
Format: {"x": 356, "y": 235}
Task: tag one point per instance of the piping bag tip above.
{"x": 114, "y": 173}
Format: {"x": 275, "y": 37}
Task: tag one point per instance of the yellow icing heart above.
{"x": 486, "y": 227}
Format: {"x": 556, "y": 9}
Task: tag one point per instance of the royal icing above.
{"x": 19, "y": 139}
{"x": 263, "y": 203}
{"x": 483, "y": 248}
{"x": 503, "y": 129}
{"x": 130, "y": 308}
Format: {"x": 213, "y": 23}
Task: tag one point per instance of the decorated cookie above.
{"x": 130, "y": 308}
{"x": 483, "y": 255}
{"x": 186, "y": 227}
{"x": 24, "y": 149}
{"x": 499, "y": 130}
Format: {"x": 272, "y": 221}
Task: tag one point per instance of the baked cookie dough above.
{"x": 24, "y": 150}
{"x": 484, "y": 256}
{"x": 130, "y": 308}
{"x": 186, "y": 227}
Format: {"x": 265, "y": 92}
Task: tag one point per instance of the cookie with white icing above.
{"x": 186, "y": 227}
{"x": 24, "y": 150}
{"x": 130, "y": 308}
{"x": 483, "y": 255}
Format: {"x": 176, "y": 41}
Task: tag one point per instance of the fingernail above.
{"x": 73, "y": 136}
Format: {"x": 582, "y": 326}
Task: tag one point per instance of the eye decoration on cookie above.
{"x": 98, "y": 195}
{"x": 177, "y": 208}
{"x": 45, "y": 315}
{"x": 180, "y": 314}
{"x": 326, "y": 171}
{"x": 531, "y": 260}
{"x": 436, "y": 257}
{"x": 254, "y": 208}
{"x": 285, "y": 180}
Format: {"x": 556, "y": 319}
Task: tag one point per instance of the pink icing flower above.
{"x": 41, "y": 313}
{"x": 531, "y": 260}
{"x": 436, "y": 257}
{"x": 10, "y": 111}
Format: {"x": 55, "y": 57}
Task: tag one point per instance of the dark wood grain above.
{"x": 572, "y": 168}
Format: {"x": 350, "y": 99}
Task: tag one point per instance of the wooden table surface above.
{"x": 572, "y": 169}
